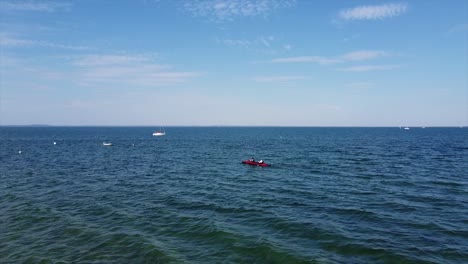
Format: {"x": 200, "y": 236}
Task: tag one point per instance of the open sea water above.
{"x": 332, "y": 195}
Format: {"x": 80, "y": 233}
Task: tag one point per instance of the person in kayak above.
{"x": 260, "y": 162}
{"x": 252, "y": 159}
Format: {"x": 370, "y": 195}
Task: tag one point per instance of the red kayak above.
{"x": 254, "y": 163}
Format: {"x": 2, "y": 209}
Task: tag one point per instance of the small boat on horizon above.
{"x": 160, "y": 132}
{"x": 106, "y": 144}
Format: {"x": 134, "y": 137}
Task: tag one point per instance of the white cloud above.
{"x": 38, "y": 6}
{"x": 236, "y": 43}
{"x": 6, "y": 41}
{"x": 316, "y": 59}
{"x": 224, "y": 10}
{"x": 127, "y": 70}
{"x": 373, "y": 12}
{"x": 266, "y": 41}
{"x": 278, "y": 78}
{"x": 39, "y": 76}
{"x": 63, "y": 46}
{"x": 99, "y": 60}
{"x": 359, "y": 55}
{"x": 364, "y": 68}
{"x": 361, "y": 85}
{"x": 14, "y": 42}
{"x": 363, "y": 55}
{"x": 95, "y": 71}
{"x": 261, "y": 44}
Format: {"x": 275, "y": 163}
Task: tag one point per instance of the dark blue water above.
{"x": 332, "y": 195}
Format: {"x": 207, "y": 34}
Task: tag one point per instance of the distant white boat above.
{"x": 159, "y": 133}
{"x": 406, "y": 128}
{"x": 106, "y": 144}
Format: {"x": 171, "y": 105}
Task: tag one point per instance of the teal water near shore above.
{"x": 332, "y": 195}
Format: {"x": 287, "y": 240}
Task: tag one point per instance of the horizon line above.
{"x": 259, "y": 126}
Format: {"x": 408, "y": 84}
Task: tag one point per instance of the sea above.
{"x": 331, "y": 195}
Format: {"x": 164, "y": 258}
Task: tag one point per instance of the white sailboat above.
{"x": 160, "y": 132}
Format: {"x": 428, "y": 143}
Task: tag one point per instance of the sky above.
{"x": 234, "y": 63}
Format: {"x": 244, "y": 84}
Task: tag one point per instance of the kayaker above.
{"x": 252, "y": 159}
{"x": 260, "y": 162}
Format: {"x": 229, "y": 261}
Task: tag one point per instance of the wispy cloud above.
{"x": 14, "y": 42}
{"x": 278, "y": 78}
{"x": 99, "y": 60}
{"x": 129, "y": 70}
{"x": 38, "y": 76}
{"x": 261, "y": 44}
{"x": 316, "y": 59}
{"x": 37, "y": 6}
{"x": 361, "y": 85}
{"x": 235, "y": 42}
{"x": 264, "y": 41}
{"x": 363, "y": 55}
{"x": 373, "y": 12}
{"x": 359, "y": 55}
{"x": 6, "y": 41}
{"x": 365, "y": 68}
{"x": 225, "y": 10}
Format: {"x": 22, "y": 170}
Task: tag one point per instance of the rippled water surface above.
{"x": 332, "y": 195}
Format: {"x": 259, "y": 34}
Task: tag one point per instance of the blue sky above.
{"x": 237, "y": 62}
